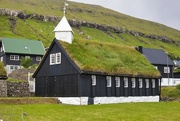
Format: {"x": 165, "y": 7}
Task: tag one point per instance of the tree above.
{"x": 26, "y": 62}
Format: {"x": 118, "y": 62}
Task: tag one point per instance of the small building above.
{"x": 161, "y": 61}
{"x": 13, "y": 49}
{"x": 78, "y": 75}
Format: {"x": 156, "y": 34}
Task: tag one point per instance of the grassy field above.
{"x": 162, "y": 111}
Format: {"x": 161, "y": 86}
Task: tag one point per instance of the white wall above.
{"x": 107, "y": 100}
{"x": 64, "y": 36}
{"x": 170, "y": 81}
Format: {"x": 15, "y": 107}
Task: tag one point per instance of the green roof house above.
{"x": 13, "y": 49}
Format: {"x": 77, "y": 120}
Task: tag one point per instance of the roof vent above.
{"x": 26, "y": 47}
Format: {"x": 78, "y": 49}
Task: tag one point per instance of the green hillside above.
{"x": 32, "y": 28}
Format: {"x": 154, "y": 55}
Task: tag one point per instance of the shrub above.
{"x": 26, "y": 62}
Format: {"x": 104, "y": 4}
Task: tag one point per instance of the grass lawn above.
{"x": 169, "y": 111}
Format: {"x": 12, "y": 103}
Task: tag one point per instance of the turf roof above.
{"x": 112, "y": 59}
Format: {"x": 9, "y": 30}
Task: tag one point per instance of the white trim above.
{"x": 108, "y": 78}
{"x": 153, "y": 83}
{"x": 58, "y": 58}
{"x": 147, "y": 83}
{"x": 14, "y": 57}
{"x": 140, "y": 83}
{"x": 52, "y": 59}
{"x": 93, "y": 77}
{"x": 125, "y": 82}
{"x": 117, "y": 81}
{"x": 133, "y": 80}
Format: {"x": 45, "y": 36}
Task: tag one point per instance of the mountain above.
{"x": 36, "y": 19}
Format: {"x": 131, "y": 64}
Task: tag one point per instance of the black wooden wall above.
{"x": 101, "y": 89}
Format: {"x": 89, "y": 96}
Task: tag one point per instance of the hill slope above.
{"x": 131, "y": 31}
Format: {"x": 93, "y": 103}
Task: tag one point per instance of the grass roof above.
{"x": 2, "y": 70}
{"x": 112, "y": 59}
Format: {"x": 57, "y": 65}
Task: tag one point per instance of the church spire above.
{"x": 64, "y": 9}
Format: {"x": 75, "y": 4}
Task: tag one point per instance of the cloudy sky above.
{"x": 166, "y": 12}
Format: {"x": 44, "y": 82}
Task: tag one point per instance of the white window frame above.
{"x": 38, "y": 58}
{"x": 52, "y": 59}
{"x": 166, "y": 70}
{"x": 117, "y": 81}
{"x": 125, "y": 82}
{"x": 147, "y": 83}
{"x": 140, "y": 83}
{"x": 108, "y": 78}
{"x": 93, "y": 77}
{"x": 133, "y": 80}
{"x": 14, "y": 57}
{"x": 58, "y": 58}
{"x": 153, "y": 83}
{"x": 156, "y": 67}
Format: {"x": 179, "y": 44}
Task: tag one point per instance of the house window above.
{"x": 153, "y": 83}
{"x": 58, "y": 58}
{"x": 93, "y": 77}
{"x": 52, "y": 59}
{"x": 14, "y": 57}
{"x": 147, "y": 83}
{"x": 166, "y": 70}
{"x": 38, "y": 58}
{"x": 125, "y": 82}
{"x": 108, "y": 81}
{"x": 140, "y": 83}
{"x": 27, "y": 57}
{"x": 117, "y": 81}
{"x": 133, "y": 82}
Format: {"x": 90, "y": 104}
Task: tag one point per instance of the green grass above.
{"x": 172, "y": 92}
{"x": 111, "y": 112}
{"x": 15, "y": 80}
{"x": 109, "y": 58}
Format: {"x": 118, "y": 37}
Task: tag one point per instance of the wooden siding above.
{"x": 57, "y": 86}
{"x": 101, "y": 89}
{"x": 64, "y": 68}
{"x": 165, "y": 75}
{"x": 7, "y": 61}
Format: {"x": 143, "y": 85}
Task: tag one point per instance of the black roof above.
{"x": 157, "y": 56}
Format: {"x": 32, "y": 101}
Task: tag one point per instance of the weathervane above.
{"x": 65, "y": 4}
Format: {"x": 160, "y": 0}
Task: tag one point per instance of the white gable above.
{"x": 63, "y": 25}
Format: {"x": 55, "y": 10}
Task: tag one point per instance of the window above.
{"x": 93, "y": 77}
{"x": 14, "y": 57}
{"x": 125, "y": 82}
{"x": 166, "y": 70}
{"x": 153, "y": 83}
{"x": 147, "y": 83}
{"x": 58, "y": 58}
{"x": 27, "y": 56}
{"x": 52, "y": 59}
{"x": 38, "y": 58}
{"x": 108, "y": 81}
{"x": 117, "y": 81}
{"x": 133, "y": 82}
{"x": 140, "y": 83}
{"x": 55, "y": 58}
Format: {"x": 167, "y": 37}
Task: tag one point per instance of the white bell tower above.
{"x": 63, "y": 30}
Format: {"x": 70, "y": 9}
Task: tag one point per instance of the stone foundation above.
{"x": 3, "y": 88}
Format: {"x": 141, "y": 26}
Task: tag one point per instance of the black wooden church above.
{"x": 62, "y": 73}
